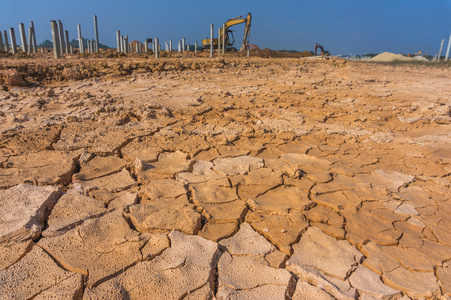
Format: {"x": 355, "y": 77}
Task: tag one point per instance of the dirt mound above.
{"x": 266, "y": 53}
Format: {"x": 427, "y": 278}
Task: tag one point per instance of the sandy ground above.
{"x": 225, "y": 178}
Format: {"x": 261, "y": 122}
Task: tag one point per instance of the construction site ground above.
{"x": 225, "y": 178}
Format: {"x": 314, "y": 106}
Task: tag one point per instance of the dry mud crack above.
{"x": 236, "y": 179}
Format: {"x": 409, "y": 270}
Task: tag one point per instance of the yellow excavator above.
{"x": 228, "y": 38}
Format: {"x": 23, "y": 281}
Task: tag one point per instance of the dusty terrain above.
{"x": 234, "y": 178}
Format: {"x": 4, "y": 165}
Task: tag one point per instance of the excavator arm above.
{"x": 323, "y": 52}
{"x": 225, "y": 31}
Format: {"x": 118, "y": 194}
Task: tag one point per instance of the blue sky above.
{"x": 341, "y": 26}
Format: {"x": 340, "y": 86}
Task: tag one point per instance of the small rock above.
{"x": 11, "y": 77}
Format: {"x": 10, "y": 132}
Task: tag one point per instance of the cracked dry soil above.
{"x": 229, "y": 178}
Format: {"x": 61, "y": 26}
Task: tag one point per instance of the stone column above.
{"x": 440, "y": 51}
{"x": 6, "y": 41}
{"x": 180, "y": 46}
{"x": 66, "y": 34}
{"x": 23, "y": 37}
{"x": 34, "y": 37}
{"x": 96, "y": 31}
{"x": 219, "y": 40}
{"x": 118, "y": 41}
{"x": 12, "y": 36}
{"x": 1, "y": 42}
{"x": 223, "y": 39}
{"x": 61, "y": 37}
{"x": 30, "y": 40}
{"x": 55, "y": 36}
{"x": 447, "y": 50}
{"x": 195, "y": 47}
{"x": 170, "y": 45}
{"x": 80, "y": 41}
{"x": 126, "y": 44}
{"x": 157, "y": 49}
{"x": 211, "y": 39}
{"x": 183, "y": 44}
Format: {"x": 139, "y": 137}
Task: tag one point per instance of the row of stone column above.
{"x": 61, "y": 40}
{"x": 29, "y": 47}
{"x": 123, "y": 46}
{"x": 438, "y": 56}
{"x": 122, "y": 43}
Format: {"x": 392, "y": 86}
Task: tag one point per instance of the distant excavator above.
{"x": 323, "y": 52}
{"x": 227, "y": 35}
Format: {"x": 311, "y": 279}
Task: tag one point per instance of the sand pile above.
{"x": 388, "y": 57}
{"x": 420, "y": 58}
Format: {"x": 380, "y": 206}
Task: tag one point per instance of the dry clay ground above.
{"x": 226, "y": 179}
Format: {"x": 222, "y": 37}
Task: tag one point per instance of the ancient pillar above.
{"x": 183, "y": 44}
{"x": 170, "y": 45}
{"x": 1, "y": 42}
{"x": 195, "y": 47}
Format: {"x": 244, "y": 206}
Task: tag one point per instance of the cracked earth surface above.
{"x": 233, "y": 179}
